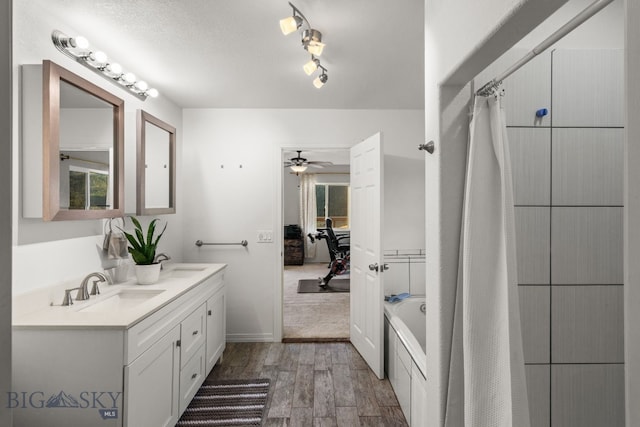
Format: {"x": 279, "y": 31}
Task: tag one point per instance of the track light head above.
{"x": 311, "y": 66}
{"x": 321, "y": 80}
{"x": 312, "y": 41}
{"x": 290, "y": 24}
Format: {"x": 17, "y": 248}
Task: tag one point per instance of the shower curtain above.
{"x": 487, "y": 385}
{"x": 308, "y": 212}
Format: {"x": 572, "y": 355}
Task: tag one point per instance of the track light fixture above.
{"x": 321, "y": 79}
{"x": 311, "y": 42}
{"x": 78, "y": 48}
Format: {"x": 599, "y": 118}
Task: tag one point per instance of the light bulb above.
{"x": 142, "y": 85}
{"x": 115, "y": 69}
{"x": 298, "y": 168}
{"x": 310, "y": 66}
{"x": 99, "y": 57}
{"x": 129, "y": 78}
{"x": 320, "y": 80}
{"x": 79, "y": 42}
{"x": 152, "y": 93}
{"x": 290, "y": 24}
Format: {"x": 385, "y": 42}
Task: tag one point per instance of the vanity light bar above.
{"x": 78, "y": 48}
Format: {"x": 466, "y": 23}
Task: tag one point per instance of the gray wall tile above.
{"x": 532, "y": 245}
{"x": 586, "y": 245}
{"x": 527, "y": 90}
{"x": 535, "y": 319}
{"x": 587, "y": 324}
{"x": 587, "y": 395}
{"x": 588, "y": 166}
{"x": 588, "y": 87}
{"x": 530, "y": 152}
{"x": 538, "y": 390}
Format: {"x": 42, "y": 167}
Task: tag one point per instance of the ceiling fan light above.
{"x": 290, "y": 24}
{"x": 298, "y": 168}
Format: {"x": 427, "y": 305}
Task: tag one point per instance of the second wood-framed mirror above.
{"x": 83, "y": 148}
{"x": 156, "y": 166}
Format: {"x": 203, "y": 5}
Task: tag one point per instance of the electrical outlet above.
{"x": 265, "y": 236}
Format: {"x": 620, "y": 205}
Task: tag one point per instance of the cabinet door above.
{"x": 152, "y": 384}
{"x": 216, "y": 328}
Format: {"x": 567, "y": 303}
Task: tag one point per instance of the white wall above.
{"x": 66, "y": 250}
{"x": 231, "y": 203}
{"x": 5, "y": 210}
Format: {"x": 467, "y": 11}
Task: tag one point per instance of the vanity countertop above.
{"x": 118, "y": 306}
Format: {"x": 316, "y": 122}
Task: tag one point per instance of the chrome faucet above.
{"x": 83, "y": 291}
{"x": 161, "y": 257}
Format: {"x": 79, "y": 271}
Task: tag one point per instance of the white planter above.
{"x": 148, "y": 274}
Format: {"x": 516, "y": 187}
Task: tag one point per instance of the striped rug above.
{"x": 227, "y": 403}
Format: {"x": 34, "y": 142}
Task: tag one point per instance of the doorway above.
{"x": 311, "y": 313}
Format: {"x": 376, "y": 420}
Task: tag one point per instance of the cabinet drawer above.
{"x": 191, "y": 377}
{"x": 192, "y": 333}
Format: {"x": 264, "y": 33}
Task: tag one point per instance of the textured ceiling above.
{"x": 231, "y": 53}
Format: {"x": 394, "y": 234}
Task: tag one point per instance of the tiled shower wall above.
{"x": 568, "y": 194}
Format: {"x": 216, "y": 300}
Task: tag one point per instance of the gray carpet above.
{"x": 227, "y": 403}
{"x": 307, "y": 286}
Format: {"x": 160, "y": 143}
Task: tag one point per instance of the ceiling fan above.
{"x": 299, "y": 164}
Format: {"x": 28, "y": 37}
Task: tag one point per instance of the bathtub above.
{"x": 405, "y": 359}
{"x": 410, "y": 326}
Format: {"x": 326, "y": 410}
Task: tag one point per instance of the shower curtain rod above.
{"x": 576, "y": 21}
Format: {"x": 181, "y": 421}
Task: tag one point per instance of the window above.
{"x": 332, "y": 201}
{"x": 88, "y": 188}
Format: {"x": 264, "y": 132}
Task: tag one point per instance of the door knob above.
{"x": 373, "y": 267}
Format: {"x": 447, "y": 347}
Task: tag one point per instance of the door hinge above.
{"x": 178, "y": 343}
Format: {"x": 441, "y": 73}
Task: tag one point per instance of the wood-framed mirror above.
{"x": 83, "y": 148}
{"x": 156, "y": 166}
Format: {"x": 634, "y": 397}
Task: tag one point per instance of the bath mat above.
{"x": 307, "y": 286}
{"x": 227, "y": 403}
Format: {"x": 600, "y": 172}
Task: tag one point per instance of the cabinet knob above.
{"x": 209, "y": 313}
{"x": 195, "y": 333}
{"x": 178, "y": 343}
{"x": 193, "y": 377}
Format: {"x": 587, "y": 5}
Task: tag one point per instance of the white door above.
{"x": 367, "y": 291}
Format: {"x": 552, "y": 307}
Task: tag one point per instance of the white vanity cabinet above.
{"x": 144, "y": 373}
{"x": 152, "y": 385}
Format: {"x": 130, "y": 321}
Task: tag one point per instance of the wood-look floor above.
{"x": 314, "y": 384}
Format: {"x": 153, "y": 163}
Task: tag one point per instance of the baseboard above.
{"x": 250, "y": 337}
{"x": 299, "y": 340}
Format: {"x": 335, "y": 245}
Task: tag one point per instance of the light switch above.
{"x": 265, "y": 236}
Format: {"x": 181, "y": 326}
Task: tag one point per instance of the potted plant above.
{"x": 143, "y": 251}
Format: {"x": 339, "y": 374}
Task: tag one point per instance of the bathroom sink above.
{"x": 123, "y": 300}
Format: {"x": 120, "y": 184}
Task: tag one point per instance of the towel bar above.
{"x": 201, "y": 243}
